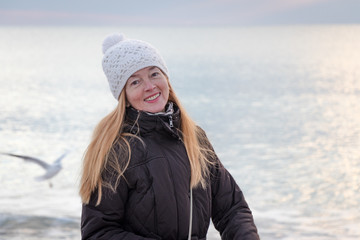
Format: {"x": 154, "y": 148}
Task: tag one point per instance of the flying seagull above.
{"x": 51, "y": 169}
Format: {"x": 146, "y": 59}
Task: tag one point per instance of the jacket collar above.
{"x": 143, "y": 122}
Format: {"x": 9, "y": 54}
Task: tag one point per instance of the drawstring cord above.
{"x": 191, "y": 213}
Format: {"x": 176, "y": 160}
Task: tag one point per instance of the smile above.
{"x": 153, "y": 97}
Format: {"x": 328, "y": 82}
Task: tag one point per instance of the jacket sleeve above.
{"x": 105, "y": 221}
{"x": 230, "y": 212}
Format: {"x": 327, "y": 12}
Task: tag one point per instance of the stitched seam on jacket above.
{"x": 176, "y": 200}
{"x": 143, "y": 163}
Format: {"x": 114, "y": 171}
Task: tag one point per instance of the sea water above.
{"x": 280, "y": 105}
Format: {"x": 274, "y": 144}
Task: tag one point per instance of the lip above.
{"x": 156, "y": 95}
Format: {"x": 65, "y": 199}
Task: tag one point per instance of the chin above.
{"x": 156, "y": 110}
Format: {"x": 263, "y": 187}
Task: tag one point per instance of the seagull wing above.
{"x": 30, "y": 159}
{"x": 58, "y": 160}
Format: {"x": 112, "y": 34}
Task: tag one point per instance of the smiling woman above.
{"x": 150, "y": 172}
{"x": 147, "y": 90}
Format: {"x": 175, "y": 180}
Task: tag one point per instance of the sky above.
{"x": 179, "y": 13}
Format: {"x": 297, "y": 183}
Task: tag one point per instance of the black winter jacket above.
{"x": 153, "y": 200}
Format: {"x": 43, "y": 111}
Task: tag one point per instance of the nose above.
{"x": 149, "y": 85}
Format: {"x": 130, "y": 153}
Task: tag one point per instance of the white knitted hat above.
{"x": 123, "y": 57}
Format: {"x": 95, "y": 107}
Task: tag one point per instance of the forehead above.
{"x": 146, "y": 69}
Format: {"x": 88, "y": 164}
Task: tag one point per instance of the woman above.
{"x": 149, "y": 171}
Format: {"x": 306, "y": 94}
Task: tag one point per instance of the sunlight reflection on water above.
{"x": 280, "y": 105}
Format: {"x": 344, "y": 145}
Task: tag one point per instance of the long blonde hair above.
{"x": 100, "y": 154}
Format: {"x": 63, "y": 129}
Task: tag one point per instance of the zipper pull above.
{"x": 171, "y": 121}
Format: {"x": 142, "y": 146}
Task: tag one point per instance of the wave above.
{"x": 38, "y": 227}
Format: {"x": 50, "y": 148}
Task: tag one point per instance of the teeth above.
{"x": 153, "y": 97}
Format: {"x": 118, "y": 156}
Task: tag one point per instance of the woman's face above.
{"x": 147, "y": 90}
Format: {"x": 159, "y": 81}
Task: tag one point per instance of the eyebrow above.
{"x": 135, "y": 75}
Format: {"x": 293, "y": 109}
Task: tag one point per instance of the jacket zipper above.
{"x": 171, "y": 121}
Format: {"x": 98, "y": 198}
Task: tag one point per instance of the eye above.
{"x": 134, "y": 82}
{"x": 155, "y": 74}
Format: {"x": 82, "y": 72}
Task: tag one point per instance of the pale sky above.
{"x": 179, "y": 13}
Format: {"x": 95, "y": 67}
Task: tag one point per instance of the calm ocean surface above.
{"x": 281, "y": 106}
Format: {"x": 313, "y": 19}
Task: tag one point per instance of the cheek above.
{"x": 134, "y": 98}
{"x": 131, "y": 97}
{"x": 167, "y": 89}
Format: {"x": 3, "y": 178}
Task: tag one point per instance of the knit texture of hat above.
{"x": 123, "y": 57}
